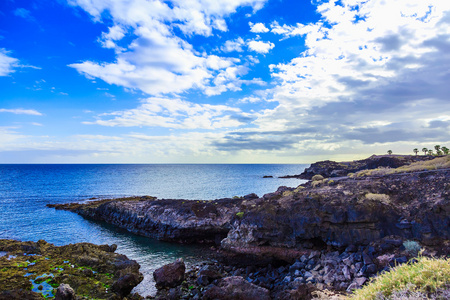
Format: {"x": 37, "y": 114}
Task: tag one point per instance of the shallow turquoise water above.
{"x": 26, "y": 189}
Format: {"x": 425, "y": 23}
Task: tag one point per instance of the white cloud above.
{"x": 258, "y": 28}
{"x": 233, "y": 45}
{"x": 173, "y": 113}
{"x": 260, "y": 46}
{"x": 373, "y": 73}
{"x": 21, "y": 111}
{"x": 157, "y": 61}
{"x": 7, "y": 63}
{"x": 23, "y": 13}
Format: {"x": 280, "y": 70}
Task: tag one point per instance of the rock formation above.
{"x": 30, "y": 270}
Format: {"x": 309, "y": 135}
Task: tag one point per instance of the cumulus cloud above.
{"x": 373, "y": 73}
{"x": 260, "y": 46}
{"x": 7, "y": 63}
{"x": 21, "y": 111}
{"x": 233, "y": 45}
{"x": 157, "y": 61}
{"x": 258, "y": 28}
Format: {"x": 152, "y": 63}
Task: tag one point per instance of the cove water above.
{"x": 26, "y": 189}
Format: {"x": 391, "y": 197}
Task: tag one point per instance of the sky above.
{"x": 207, "y": 81}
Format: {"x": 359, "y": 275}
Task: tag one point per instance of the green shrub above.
{"x": 412, "y": 247}
{"x": 317, "y": 177}
{"x": 240, "y": 214}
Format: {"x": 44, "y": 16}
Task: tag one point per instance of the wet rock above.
{"x": 125, "y": 284}
{"x": 236, "y": 288}
{"x": 170, "y": 275}
{"x": 64, "y": 292}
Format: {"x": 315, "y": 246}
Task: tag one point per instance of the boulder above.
{"x": 64, "y": 292}
{"x": 170, "y": 275}
{"x": 236, "y": 288}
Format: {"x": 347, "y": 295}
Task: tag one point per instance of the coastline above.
{"x": 327, "y": 234}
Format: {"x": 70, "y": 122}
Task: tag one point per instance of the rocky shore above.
{"x": 38, "y": 270}
{"x": 330, "y": 233}
{"x": 328, "y": 168}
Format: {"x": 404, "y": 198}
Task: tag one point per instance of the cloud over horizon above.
{"x": 234, "y": 80}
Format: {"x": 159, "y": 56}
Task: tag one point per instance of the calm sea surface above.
{"x": 26, "y": 189}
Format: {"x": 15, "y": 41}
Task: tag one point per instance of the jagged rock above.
{"x": 360, "y": 281}
{"x": 170, "y": 275}
{"x": 236, "y": 288}
{"x": 185, "y": 221}
{"x": 125, "y": 284}
{"x": 64, "y": 292}
{"x": 351, "y": 212}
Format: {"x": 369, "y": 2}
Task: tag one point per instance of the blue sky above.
{"x": 205, "y": 81}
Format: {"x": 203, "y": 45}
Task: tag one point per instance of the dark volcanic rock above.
{"x": 236, "y": 288}
{"x": 348, "y": 212}
{"x": 185, "y": 221}
{"x": 329, "y": 168}
{"x": 170, "y": 275}
{"x": 64, "y": 292}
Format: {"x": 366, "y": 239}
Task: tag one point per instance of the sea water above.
{"x": 26, "y": 189}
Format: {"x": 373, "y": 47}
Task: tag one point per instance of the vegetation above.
{"x": 412, "y": 248}
{"x": 317, "y": 177}
{"x": 415, "y": 150}
{"x": 378, "y": 197}
{"x": 389, "y": 152}
{"x": 437, "y": 163}
{"x": 426, "y": 275}
{"x": 425, "y": 151}
{"x": 240, "y": 214}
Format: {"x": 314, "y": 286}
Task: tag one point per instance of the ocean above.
{"x": 25, "y": 189}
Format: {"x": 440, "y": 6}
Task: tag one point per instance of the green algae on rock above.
{"x": 33, "y": 270}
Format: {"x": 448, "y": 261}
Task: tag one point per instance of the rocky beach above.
{"x": 324, "y": 238}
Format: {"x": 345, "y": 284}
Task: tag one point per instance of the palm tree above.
{"x": 416, "y": 151}
{"x": 389, "y": 152}
{"x": 425, "y": 151}
{"x": 445, "y": 150}
{"x": 430, "y": 152}
{"x": 438, "y": 149}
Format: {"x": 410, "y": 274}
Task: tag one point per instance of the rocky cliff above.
{"x": 330, "y": 168}
{"x": 182, "y": 221}
{"x": 346, "y": 212}
{"x": 341, "y": 212}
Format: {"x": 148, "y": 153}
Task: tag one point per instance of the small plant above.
{"x": 317, "y": 177}
{"x": 240, "y": 214}
{"x": 378, "y": 197}
{"x": 412, "y": 247}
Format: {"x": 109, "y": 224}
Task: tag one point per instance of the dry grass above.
{"x": 434, "y": 164}
{"x": 378, "y": 197}
{"x": 427, "y": 275}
